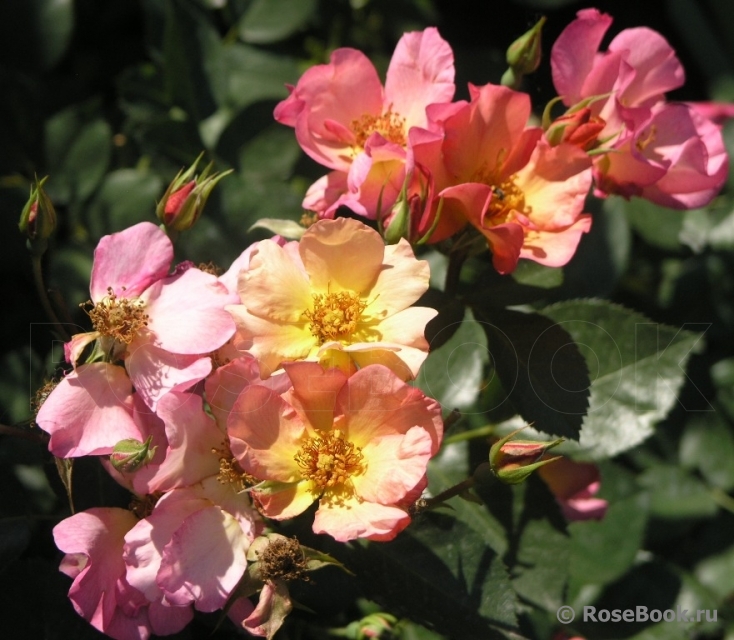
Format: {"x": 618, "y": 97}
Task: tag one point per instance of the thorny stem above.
{"x": 43, "y": 296}
{"x": 430, "y": 503}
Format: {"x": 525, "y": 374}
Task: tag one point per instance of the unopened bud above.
{"x": 579, "y": 128}
{"x": 131, "y": 454}
{"x": 523, "y": 55}
{"x": 184, "y": 200}
{"x": 513, "y": 461}
{"x": 38, "y": 219}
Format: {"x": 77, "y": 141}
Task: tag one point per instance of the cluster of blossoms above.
{"x": 425, "y": 166}
{"x": 221, "y": 401}
{"x": 228, "y": 401}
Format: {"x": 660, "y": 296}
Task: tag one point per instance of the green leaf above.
{"x": 453, "y": 374}
{"x": 55, "y": 23}
{"x": 78, "y": 155}
{"x": 540, "y": 367}
{"x": 637, "y": 368}
{"x": 603, "y": 551}
{"x": 708, "y": 445}
{"x": 536, "y": 275}
{"x": 449, "y": 468}
{"x": 541, "y": 567}
{"x": 269, "y": 21}
{"x": 441, "y": 574}
{"x": 270, "y": 155}
{"x": 241, "y": 75}
{"x": 717, "y": 573}
{"x": 674, "y": 493}
{"x": 126, "y": 197}
{"x": 659, "y": 226}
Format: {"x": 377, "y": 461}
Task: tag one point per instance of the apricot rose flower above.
{"x": 339, "y": 296}
{"x": 359, "y": 445}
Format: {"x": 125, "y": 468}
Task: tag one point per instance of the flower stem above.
{"x": 425, "y": 504}
{"x": 45, "y": 301}
{"x": 472, "y": 434}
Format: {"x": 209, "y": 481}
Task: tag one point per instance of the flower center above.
{"x": 506, "y": 198}
{"x": 389, "y": 125}
{"x": 643, "y": 141}
{"x": 329, "y": 460}
{"x": 118, "y": 318}
{"x": 334, "y": 315}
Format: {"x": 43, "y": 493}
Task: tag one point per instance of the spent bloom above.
{"x": 339, "y": 295}
{"x": 347, "y": 121}
{"x": 358, "y": 445}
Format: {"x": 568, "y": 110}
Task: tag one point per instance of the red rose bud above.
{"x": 578, "y": 128}
{"x": 38, "y": 218}
{"x": 184, "y": 200}
{"x": 130, "y": 454}
{"x": 523, "y": 55}
{"x": 513, "y": 462}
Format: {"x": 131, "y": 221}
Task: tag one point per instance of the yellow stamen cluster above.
{"x": 329, "y": 460}
{"x": 334, "y": 315}
{"x": 210, "y": 267}
{"x": 649, "y": 138}
{"x": 308, "y": 218}
{"x": 142, "y": 506}
{"x": 118, "y": 318}
{"x": 389, "y": 125}
{"x": 230, "y": 471}
{"x": 506, "y": 198}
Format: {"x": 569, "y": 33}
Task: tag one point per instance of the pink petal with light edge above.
{"x": 405, "y": 328}
{"x": 482, "y": 136}
{"x": 395, "y": 464}
{"x": 556, "y": 247}
{"x": 402, "y": 361}
{"x": 130, "y": 261}
{"x": 657, "y": 68}
{"x": 265, "y": 433}
{"x": 341, "y": 92}
{"x": 400, "y": 282}
{"x": 89, "y": 412}
{"x": 191, "y": 436}
{"x": 204, "y": 560}
{"x": 354, "y": 519}
{"x": 421, "y": 72}
{"x": 274, "y": 342}
{"x": 376, "y": 403}
{"x": 145, "y": 542}
{"x": 275, "y": 287}
{"x": 98, "y": 534}
{"x": 287, "y": 500}
{"x": 225, "y": 384}
{"x": 556, "y": 182}
{"x": 166, "y": 619}
{"x": 155, "y": 371}
{"x": 314, "y": 392}
{"x": 342, "y": 254}
{"x": 186, "y": 313}
{"x": 324, "y": 193}
{"x": 574, "y": 53}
